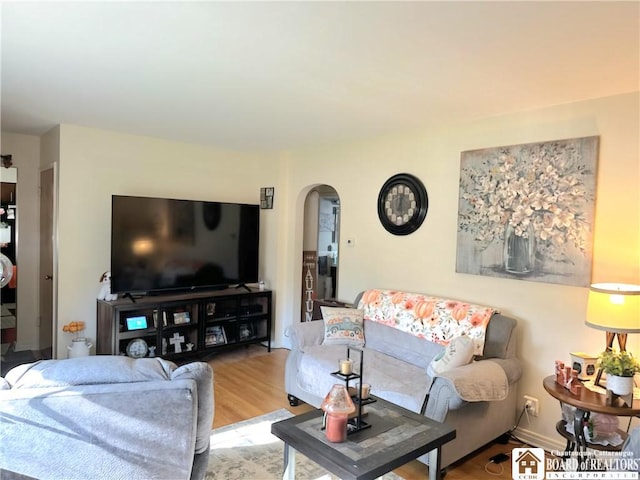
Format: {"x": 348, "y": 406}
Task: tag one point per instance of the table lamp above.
{"x": 614, "y": 308}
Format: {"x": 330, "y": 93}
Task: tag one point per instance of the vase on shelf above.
{"x": 79, "y": 348}
{"x": 519, "y": 252}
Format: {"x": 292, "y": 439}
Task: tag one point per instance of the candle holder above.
{"x": 356, "y": 423}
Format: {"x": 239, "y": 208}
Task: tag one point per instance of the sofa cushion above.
{"x": 4, "y": 385}
{"x": 343, "y": 326}
{"x": 398, "y": 344}
{"x": 88, "y": 371}
{"x": 390, "y": 378}
{"x": 498, "y": 339}
{"x": 459, "y": 352}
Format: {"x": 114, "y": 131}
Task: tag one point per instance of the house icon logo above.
{"x": 527, "y": 464}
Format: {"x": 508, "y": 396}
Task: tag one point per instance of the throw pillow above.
{"x": 343, "y": 326}
{"x": 459, "y": 352}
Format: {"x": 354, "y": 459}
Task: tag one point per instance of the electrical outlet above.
{"x": 532, "y": 405}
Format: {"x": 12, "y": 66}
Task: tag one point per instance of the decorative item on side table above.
{"x": 620, "y": 367}
{"x": 568, "y": 378}
{"x": 79, "y": 345}
{"x": 584, "y": 364}
{"x": 614, "y": 307}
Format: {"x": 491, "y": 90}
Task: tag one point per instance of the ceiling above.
{"x": 265, "y": 76}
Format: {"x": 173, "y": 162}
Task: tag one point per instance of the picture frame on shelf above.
{"x": 181, "y": 318}
{"x": 211, "y": 309}
{"x": 215, "y": 335}
{"x": 246, "y": 331}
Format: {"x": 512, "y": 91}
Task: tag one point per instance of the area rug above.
{"x": 248, "y": 450}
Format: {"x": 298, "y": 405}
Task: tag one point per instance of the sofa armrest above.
{"x": 306, "y": 334}
{"x": 202, "y": 373}
{"x": 480, "y": 381}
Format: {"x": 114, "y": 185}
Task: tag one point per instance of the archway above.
{"x": 321, "y": 238}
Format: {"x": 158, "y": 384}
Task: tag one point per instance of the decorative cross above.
{"x": 176, "y": 341}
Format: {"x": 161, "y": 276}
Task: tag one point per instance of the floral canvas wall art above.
{"x": 526, "y": 211}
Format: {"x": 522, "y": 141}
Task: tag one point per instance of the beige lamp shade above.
{"x": 614, "y": 307}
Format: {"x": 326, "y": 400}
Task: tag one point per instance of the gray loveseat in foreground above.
{"x": 478, "y": 399}
{"x": 103, "y": 417}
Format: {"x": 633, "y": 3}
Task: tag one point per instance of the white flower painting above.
{"x": 527, "y": 211}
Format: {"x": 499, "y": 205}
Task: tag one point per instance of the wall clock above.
{"x": 402, "y": 204}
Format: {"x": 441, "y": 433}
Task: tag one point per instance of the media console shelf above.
{"x": 180, "y": 325}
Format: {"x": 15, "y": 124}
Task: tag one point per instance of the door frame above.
{"x": 53, "y": 267}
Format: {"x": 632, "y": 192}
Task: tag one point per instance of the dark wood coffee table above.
{"x": 396, "y": 437}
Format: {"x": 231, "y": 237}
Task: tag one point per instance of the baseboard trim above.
{"x": 535, "y": 439}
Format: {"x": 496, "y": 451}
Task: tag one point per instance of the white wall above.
{"x": 25, "y": 150}
{"x": 95, "y": 164}
{"x": 551, "y": 317}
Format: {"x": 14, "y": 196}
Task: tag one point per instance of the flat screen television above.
{"x": 160, "y": 244}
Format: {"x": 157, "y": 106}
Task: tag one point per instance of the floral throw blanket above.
{"x": 439, "y": 320}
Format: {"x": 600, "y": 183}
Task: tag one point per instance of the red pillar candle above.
{"x": 336, "y": 429}
{"x": 337, "y": 405}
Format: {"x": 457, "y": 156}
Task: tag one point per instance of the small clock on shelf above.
{"x": 137, "y": 348}
{"x": 402, "y": 204}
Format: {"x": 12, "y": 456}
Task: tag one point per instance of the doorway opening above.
{"x": 321, "y": 255}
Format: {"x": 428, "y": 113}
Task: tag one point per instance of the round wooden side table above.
{"x": 586, "y": 403}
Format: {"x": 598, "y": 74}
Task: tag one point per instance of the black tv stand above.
{"x": 199, "y": 323}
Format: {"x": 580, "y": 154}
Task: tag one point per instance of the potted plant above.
{"x": 620, "y": 368}
{"x": 79, "y": 346}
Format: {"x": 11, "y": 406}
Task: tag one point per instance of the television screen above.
{"x": 160, "y": 244}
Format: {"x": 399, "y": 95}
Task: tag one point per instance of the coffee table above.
{"x": 396, "y": 437}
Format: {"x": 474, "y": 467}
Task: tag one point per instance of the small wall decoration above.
{"x": 526, "y": 211}
{"x": 266, "y": 197}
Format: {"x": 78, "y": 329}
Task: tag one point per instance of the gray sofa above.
{"x": 478, "y": 399}
{"x": 103, "y": 417}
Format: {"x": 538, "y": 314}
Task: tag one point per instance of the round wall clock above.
{"x": 137, "y": 348}
{"x": 402, "y": 204}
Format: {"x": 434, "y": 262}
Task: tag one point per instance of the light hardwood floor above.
{"x": 250, "y": 381}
